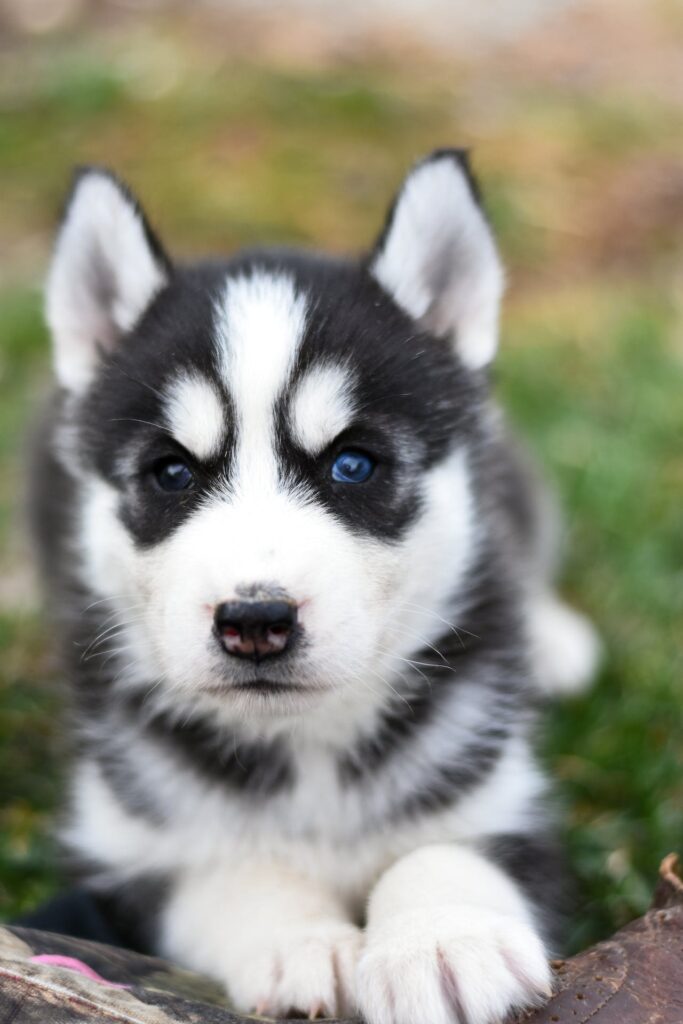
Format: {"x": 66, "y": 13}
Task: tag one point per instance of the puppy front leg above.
{"x": 278, "y": 941}
{"x": 450, "y": 939}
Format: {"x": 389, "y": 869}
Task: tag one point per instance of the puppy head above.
{"x": 273, "y": 452}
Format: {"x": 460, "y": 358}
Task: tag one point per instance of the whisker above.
{"x": 117, "y": 629}
{"x": 430, "y": 611}
{"x": 408, "y": 661}
{"x": 422, "y": 640}
{"x": 133, "y": 419}
{"x": 135, "y": 380}
{"x": 385, "y": 682}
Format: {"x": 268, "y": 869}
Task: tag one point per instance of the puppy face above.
{"x": 273, "y": 453}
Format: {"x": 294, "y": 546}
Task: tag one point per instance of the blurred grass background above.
{"x": 238, "y": 124}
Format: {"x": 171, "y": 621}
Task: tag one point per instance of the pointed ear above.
{"x": 437, "y": 258}
{"x": 106, "y": 269}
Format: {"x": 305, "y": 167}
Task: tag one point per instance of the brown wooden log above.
{"x": 636, "y": 977}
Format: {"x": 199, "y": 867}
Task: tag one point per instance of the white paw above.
{"x": 456, "y": 965}
{"x": 307, "y": 970}
{"x": 565, "y": 647}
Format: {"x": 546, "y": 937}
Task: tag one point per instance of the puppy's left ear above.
{"x": 106, "y": 269}
{"x": 437, "y": 258}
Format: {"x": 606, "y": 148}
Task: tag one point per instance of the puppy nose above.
{"x": 255, "y": 629}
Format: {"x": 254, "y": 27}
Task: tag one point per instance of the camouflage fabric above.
{"x": 46, "y": 977}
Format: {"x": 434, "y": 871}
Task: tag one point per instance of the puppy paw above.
{"x": 457, "y": 965}
{"x": 307, "y": 970}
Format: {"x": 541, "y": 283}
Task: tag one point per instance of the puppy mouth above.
{"x": 271, "y": 686}
{"x": 260, "y": 687}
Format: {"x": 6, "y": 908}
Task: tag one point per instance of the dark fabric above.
{"x": 79, "y": 914}
{"x": 125, "y": 917}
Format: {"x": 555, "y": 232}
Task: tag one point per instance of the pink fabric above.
{"x": 72, "y": 964}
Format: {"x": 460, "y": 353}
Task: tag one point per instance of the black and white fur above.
{"x": 359, "y": 824}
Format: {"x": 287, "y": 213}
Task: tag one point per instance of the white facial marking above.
{"x": 433, "y": 559}
{"x": 195, "y": 415}
{"x": 108, "y": 553}
{"x": 322, "y": 407}
{"x": 259, "y": 328}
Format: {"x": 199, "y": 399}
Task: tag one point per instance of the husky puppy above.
{"x": 303, "y": 581}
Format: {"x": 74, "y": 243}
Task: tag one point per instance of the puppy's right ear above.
{"x": 106, "y": 269}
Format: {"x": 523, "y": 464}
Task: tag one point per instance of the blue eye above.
{"x": 173, "y": 475}
{"x": 352, "y": 467}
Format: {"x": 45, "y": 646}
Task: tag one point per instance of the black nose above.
{"x": 255, "y": 629}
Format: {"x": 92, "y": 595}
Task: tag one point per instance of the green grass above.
{"x": 608, "y": 423}
{"x": 29, "y": 701}
{"x": 591, "y": 369}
